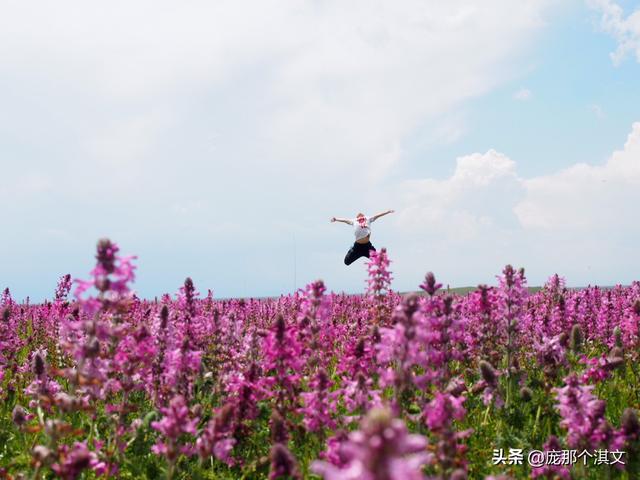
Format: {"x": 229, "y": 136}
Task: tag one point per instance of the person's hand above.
{"x": 333, "y": 219}
{"x": 391, "y": 211}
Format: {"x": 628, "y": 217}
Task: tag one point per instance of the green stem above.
{"x": 535, "y": 425}
{"x": 486, "y": 415}
{"x": 36, "y": 474}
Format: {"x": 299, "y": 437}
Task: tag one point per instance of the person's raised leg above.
{"x": 351, "y": 256}
{"x": 370, "y": 247}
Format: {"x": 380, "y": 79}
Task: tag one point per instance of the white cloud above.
{"x": 268, "y": 114}
{"x": 337, "y": 84}
{"x": 478, "y": 196}
{"x": 485, "y": 190}
{"x": 523, "y": 94}
{"x": 587, "y": 197}
{"x": 580, "y": 221}
{"x": 625, "y": 30}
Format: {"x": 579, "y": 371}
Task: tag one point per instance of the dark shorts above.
{"x": 358, "y": 250}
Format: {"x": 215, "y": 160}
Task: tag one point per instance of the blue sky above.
{"x": 208, "y": 139}
{"x": 576, "y": 93}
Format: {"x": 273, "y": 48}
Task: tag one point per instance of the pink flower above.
{"x": 319, "y": 404}
{"x": 379, "y": 275}
{"x": 551, "y": 471}
{"x": 175, "y": 423}
{"x": 283, "y": 464}
{"x": 582, "y": 414}
{"x": 216, "y": 438}
{"x": 430, "y": 285}
{"x": 442, "y": 410}
{"x": 381, "y": 450}
{"x": 110, "y": 277}
{"x": 75, "y": 459}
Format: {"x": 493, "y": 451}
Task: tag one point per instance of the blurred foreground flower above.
{"x": 382, "y": 449}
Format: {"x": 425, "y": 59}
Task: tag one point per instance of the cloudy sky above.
{"x": 216, "y": 139}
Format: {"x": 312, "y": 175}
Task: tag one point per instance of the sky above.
{"x": 216, "y": 139}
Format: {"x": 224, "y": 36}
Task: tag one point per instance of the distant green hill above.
{"x": 465, "y": 290}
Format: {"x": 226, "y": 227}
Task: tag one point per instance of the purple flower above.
{"x": 319, "y": 404}
{"x": 283, "y": 464}
{"x": 551, "y": 354}
{"x": 75, "y": 459}
{"x": 20, "y": 416}
{"x": 110, "y": 277}
{"x": 442, "y": 410}
{"x": 430, "y": 285}
{"x": 359, "y": 395}
{"x": 551, "y": 471}
{"x": 582, "y": 414}
{"x": 283, "y": 357}
{"x": 174, "y": 425}
{"x": 379, "y": 279}
{"x": 216, "y": 438}
{"x": 63, "y": 288}
{"x": 381, "y": 450}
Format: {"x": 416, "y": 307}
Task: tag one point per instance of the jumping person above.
{"x": 362, "y": 245}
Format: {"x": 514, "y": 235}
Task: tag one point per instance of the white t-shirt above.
{"x": 362, "y": 228}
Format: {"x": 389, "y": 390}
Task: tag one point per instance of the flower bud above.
{"x": 597, "y": 408}
{"x": 224, "y": 417}
{"x": 53, "y": 428}
{"x": 576, "y": 338}
{"x": 323, "y": 379}
{"x": 141, "y": 333}
{"x": 630, "y": 423}
{"x": 458, "y": 474}
{"x": 280, "y": 328}
{"x": 66, "y": 402}
{"x": 164, "y": 317}
{"x": 136, "y": 424}
{"x": 283, "y": 464}
{"x": 304, "y": 322}
{"x": 103, "y": 283}
{"x": 41, "y": 453}
{"x": 617, "y": 335}
{"x": 448, "y": 301}
{"x": 563, "y": 339}
{"x": 314, "y": 361}
{"x": 410, "y": 304}
{"x": 38, "y": 365}
{"x": 93, "y": 348}
{"x": 279, "y": 432}
{"x": 526, "y": 394}
{"x": 375, "y": 335}
{"x": 196, "y": 410}
{"x": 106, "y": 254}
{"x": 616, "y": 352}
{"x": 508, "y": 273}
{"x": 488, "y": 372}
{"x": 19, "y": 415}
{"x": 615, "y": 358}
{"x": 479, "y": 387}
{"x": 456, "y": 387}
{"x": 430, "y": 286}
{"x": 359, "y": 350}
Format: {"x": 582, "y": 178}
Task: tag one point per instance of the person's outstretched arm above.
{"x": 343, "y": 220}
{"x": 375, "y": 217}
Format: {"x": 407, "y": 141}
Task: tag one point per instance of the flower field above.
{"x": 499, "y": 383}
